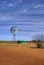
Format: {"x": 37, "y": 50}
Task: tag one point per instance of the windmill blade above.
{"x": 14, "y": 31}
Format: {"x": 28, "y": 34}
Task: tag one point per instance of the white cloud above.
{"x": 4, "y": 2}
{"x": 11, "y": 17}
{"x": 2, "y": 7}
{"x": 38, "y": 9}
{"x": 20, "y": 1}
{"x": 2, "y": 18}
{"x": 10, "y": 4}
{"x": 24, "y": 11}
{"x": 38, "y": 6}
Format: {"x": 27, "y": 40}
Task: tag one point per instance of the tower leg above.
{"x": 14, "y": 39}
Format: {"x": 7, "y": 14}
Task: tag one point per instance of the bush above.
{"x": 18, "y": 42}
{"x": 39, "y": 45}
{"x": 39, "y": 40}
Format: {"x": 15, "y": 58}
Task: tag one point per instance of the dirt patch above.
{"x": 20, "y": 55}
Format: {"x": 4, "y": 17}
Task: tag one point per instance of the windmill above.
{"x": 13, "y": 30}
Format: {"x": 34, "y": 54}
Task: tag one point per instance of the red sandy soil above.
{"x": 11, "y": 55}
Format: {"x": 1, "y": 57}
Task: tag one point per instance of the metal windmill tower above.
{"x": 13, "y": 30}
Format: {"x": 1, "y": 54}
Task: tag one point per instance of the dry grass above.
{"x": 14, "y": 54}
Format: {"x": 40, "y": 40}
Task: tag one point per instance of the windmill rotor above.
{"x": 13, "y": 31}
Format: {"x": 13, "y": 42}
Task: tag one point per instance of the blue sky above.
{"x": 26, "y": 15}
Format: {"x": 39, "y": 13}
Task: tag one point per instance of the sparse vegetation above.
{"x": 38, "y": 39}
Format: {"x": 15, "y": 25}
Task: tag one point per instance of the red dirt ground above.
{"x": 11, "y": 55}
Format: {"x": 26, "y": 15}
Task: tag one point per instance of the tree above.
{"x": 39, "y": 39}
